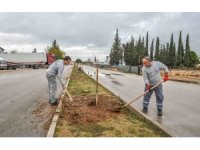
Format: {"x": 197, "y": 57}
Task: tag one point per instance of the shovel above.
{"x": 118, "y": 109}
{"x": 66, "y": 91}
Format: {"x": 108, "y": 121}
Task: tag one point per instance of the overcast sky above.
{"x": 83, "y": 35}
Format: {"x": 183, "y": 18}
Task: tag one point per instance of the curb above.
{"x": 145, "y": 117}
{"x": 154, "y": 123}
{"x": 54, "y": 122}
{"x": 186, "y": 81}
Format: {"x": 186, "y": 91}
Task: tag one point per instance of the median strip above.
{"x": 85, "y": 118}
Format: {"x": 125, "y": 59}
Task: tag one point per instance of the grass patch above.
{"x": 80, "y": 84}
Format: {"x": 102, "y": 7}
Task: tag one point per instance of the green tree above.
{"x": 171, "y": 51}
{"x": 126, "y": 53}
{"x": 140, "y": 51}
{"x": 34, "y": 50}
{"x": 79, "y": 61}
{"x": 116, "y": 53}
{"x": 157, "y": 50}
{"x": 187, "y": 52}
{"x": 167, "y": 55}
{"x": 174, "y": 55}
{"x": 143, "y": 49}
{"x": 163, "y": 54}
{"x": 194, "y": 59}
{"x": 180, "y": 53}
{"x": 13, "y": 51}
{"x": 152, "y": 49}
{"x": 147, "y": 44}
{"x": 129, "y": 50}
{"x": 55, "y": 49}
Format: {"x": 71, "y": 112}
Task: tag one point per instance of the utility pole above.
{"x": 97, "y": 83}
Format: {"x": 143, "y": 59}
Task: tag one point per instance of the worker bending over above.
{"x": 56, "y": 69}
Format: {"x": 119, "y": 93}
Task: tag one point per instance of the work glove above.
{"x": 166, "y": 77}
{"x": 148, "y": 87}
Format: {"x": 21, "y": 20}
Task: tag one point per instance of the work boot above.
{"x": 160, "y": 113}
{"x": 145, "y": 110}
{"x": 55, "y": 103}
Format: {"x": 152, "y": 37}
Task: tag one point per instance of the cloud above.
{"x": 78, "y": 33}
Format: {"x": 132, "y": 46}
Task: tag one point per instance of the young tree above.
{"x": 116, "y": 53}
{"x": 152, "y": 49}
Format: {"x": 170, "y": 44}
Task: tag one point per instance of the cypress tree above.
{"x": 167, "y": 55}
{"x": 180, "y": 53}
{"x": 147, "y": 44}
{"x": 187, "y": 52}
{"x": 157, "y": 50}
{"x": 130, "y": 53}
{"x": 152, "y": 49}
{"x": 174, "y": 55}
{"x": 138, "y": 50}
{"x": 171, "y": 51}
{"x": 143, "y": 50}
{"x": 116, "y": 53}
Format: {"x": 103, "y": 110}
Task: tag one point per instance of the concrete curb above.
{"x": 147, "y": 118}
{"x": 185, "y": 81}
{"x": 54, "y": 122}
{"x": 154, "y": 123}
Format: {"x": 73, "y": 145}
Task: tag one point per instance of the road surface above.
{"x": 181, "y": 104}
{"x": 24, "y": 108}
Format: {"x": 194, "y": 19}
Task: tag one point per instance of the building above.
{"x": 107, "y": 59}
{"x": 2, "y": 50}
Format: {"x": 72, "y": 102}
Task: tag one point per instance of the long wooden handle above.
{"x": 66, "y": 89}
{"x": 69, "y": 95}
{"x": 143, "y": 93}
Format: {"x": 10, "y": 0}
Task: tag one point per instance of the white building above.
{"x": 107, "y": 59}
{"x": 1, "y": 50}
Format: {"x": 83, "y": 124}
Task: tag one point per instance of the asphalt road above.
{"x": 24, "y": 108}
{"x": 181, "y": 104}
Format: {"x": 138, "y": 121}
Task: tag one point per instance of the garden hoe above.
{"x": 118, "y": 109}
{"x": 66, "y": 91}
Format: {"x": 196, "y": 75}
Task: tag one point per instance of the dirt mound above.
{"x": 83, "y": 110}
